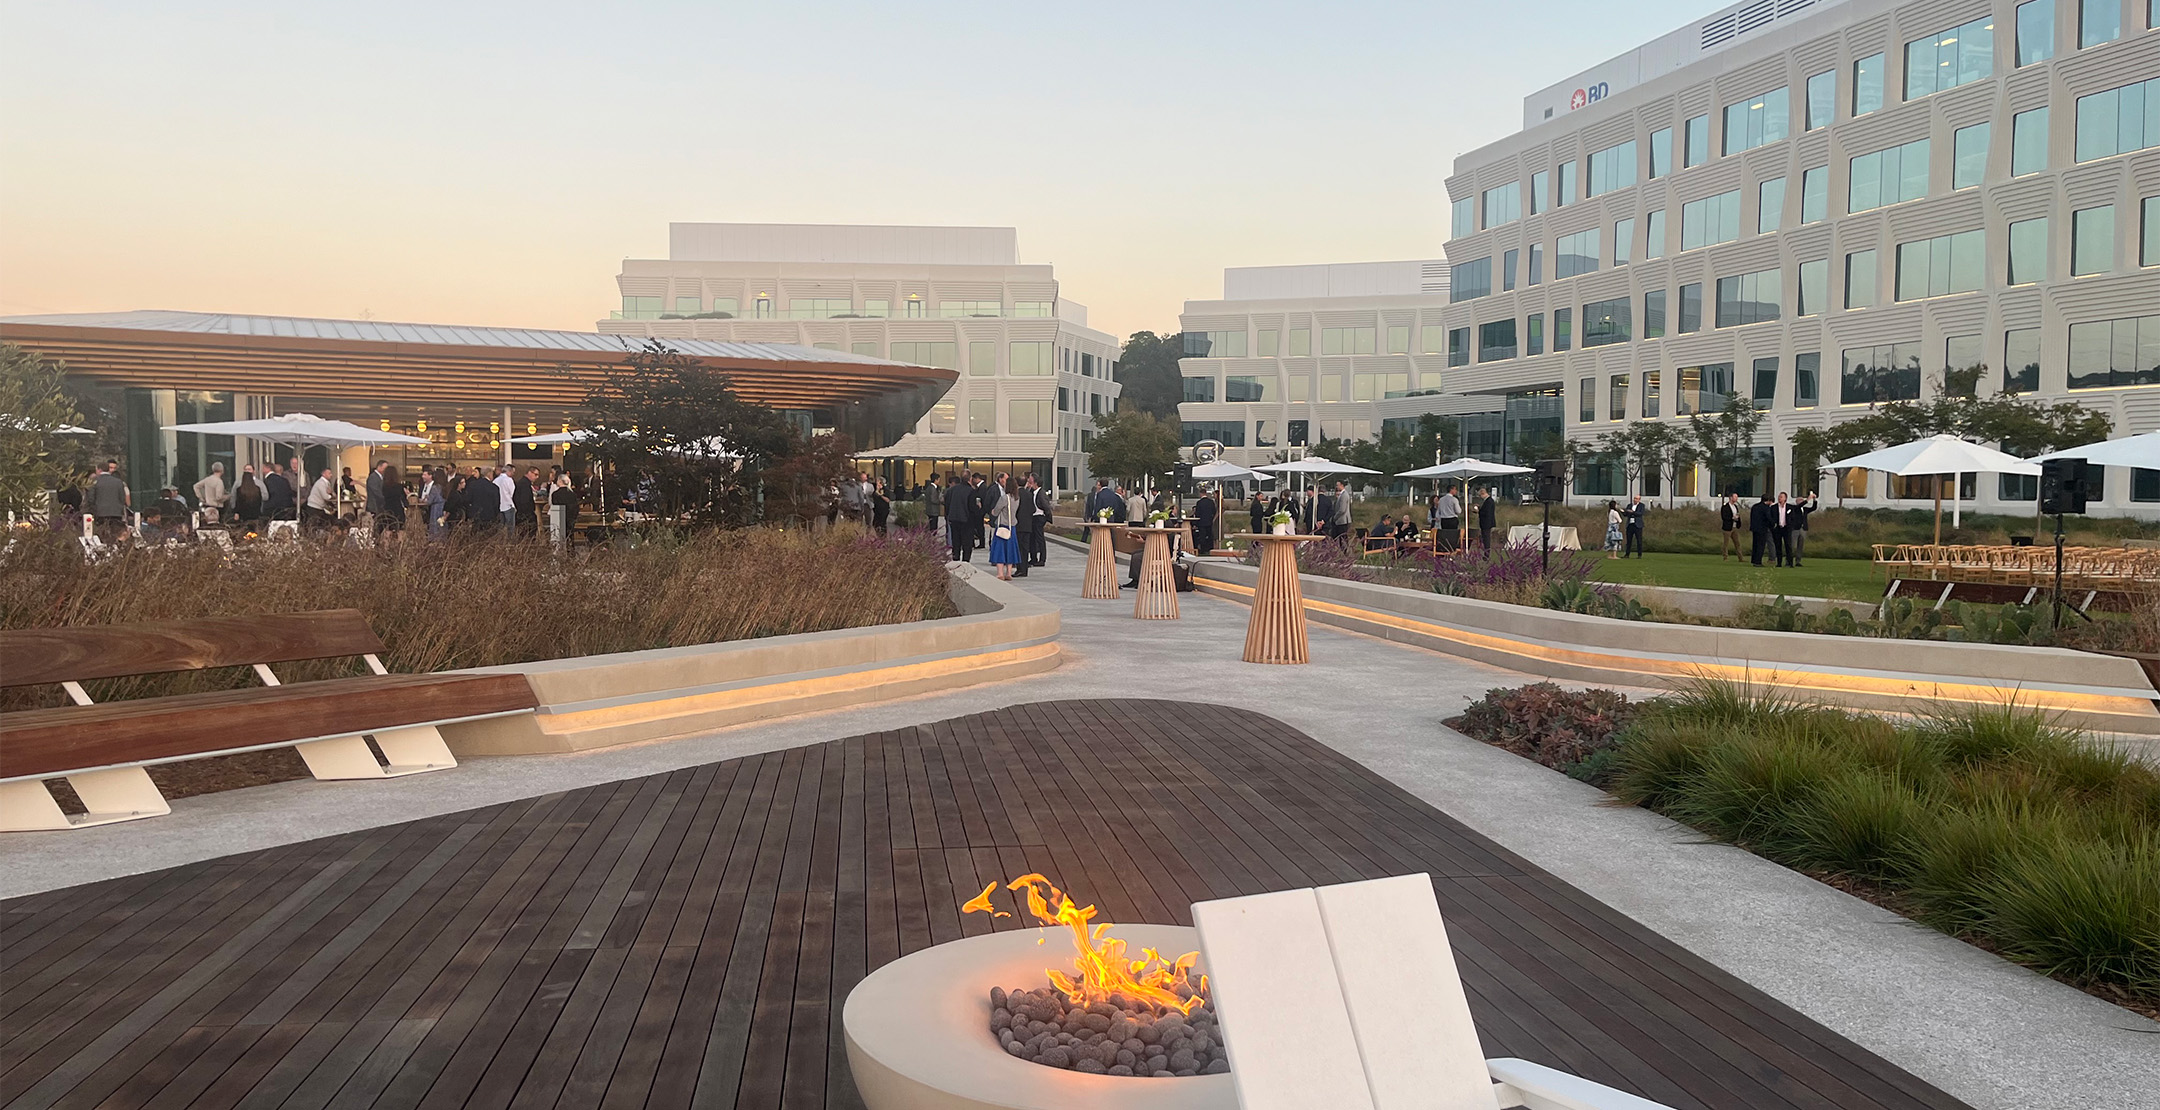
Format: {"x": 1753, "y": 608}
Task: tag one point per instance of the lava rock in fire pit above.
{"x": 1117, "y": 1037}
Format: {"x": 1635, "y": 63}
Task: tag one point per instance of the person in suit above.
{"x": 1260, "y": 512}
{"x": 1203, "y": 528}
{"x": 984, "y": 494}
{"x": 959, "y": 519}
{"x": 1796, "y": 536}
{"x": 1447, "y": 519}
{"x": 1782, "y": 517}
{"x": 278, "y": 503}
{"x": 1633, "y": 515}
{"x": 1760, "y": 520}
{"x": 1488, "y": 517}
{"x": 1339, "y": 517}
{"x": 1033, "y": 517}
{"x": 933, "y": 496}
{"x": 525, "y": 496}
{"x": 1730, "y": 517}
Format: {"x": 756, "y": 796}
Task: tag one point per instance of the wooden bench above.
{"x": 101, "y": 749}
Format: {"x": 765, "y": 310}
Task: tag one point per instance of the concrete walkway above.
{"x": 1982, "y": 1029}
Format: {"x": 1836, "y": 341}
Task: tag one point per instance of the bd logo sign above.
{"x": 1590, "y": 95}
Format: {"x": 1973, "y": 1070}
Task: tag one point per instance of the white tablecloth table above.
{"x": 1563, "y": 539}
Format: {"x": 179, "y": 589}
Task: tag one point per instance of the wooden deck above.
{"x": 686, "y": 939}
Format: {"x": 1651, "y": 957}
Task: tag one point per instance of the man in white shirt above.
{"x": 321, "y": 500}
{"x": 1447, "y": 520}
{"x": 210, "y": 493}
{"x": 506, "y": 494}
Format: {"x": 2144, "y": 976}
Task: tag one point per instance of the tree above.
{"x": 1148, "y": 371}
{"x": 1530, "y": 450}
{"x": 677, "y": 429}
{"x": 1651, "y": 447}
{"x": 1131, "y": 443}
{"x": 33, "y": 402}
{"x": 1725, "y": 440}
{"x": 1437, "y": 439}
{"x": 796, "y": 486}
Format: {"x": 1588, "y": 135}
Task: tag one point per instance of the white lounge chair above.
{"x": 1347, "y": 998}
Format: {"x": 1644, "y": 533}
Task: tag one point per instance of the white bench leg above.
{"x": 413, "y": 750}
{"x": 346, "y": 757}
{"x": 28, "y": 806}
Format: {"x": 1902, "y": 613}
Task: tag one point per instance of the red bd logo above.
{"x": 1581, "y": 97}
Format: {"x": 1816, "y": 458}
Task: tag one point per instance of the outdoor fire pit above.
{"x": 923, "y": 1032}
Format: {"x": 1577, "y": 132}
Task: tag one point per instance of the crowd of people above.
{"x": 1002, "y": 516}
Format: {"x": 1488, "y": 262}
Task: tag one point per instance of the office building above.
{"x": 1032, "y": 376}
{"x": 1292, "y": 355}
{"x": 1823, "y": 205}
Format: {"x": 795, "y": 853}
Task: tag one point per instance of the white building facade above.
{"x": 1292, "y": 355}
{"x": 1033, "y": 374}
{"x": 1823, "y": 206}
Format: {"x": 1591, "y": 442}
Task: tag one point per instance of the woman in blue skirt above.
{"x": 1004, "y": 534}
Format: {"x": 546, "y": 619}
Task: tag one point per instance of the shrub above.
{"x": 448, "y": 606}
{"x": 1559, "y": 728}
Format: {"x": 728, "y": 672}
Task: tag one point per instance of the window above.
{"x": 1565, "y": 191}
{"x": 1821, "y": 99}
{"x": 822, "y": 308}
{"x": 2021, "y": 360}
{"x": 1031, "y": 359}
{"x": 1300, "y": 342}
{"x": 1462, "y": 217}
{"x": 1346, "y": 341}
{"x": 1606, "y": 322}
{"x": 2092, "y": 240}
{"x": 2112, "y": 353}
{"x": 1330, "y": 388}
{"x": 982, "y": 358}
{"x": 1434, "y": 340}
{"x": 2028, "y": 251}
{"x": 961, "y": 308}
{"x": 1612, "y": 168}
{"x": 1215, "y": 344}
{"x": 1702, "y": 388}
{"x": 1651, "y": 402}
{"x": 1697, "y": 150}
{"x": 1765, "y": 393}
{"x": 1270, "y": 343}
{"x": 1534, "y": 334}
{"x": 1229, "y": 433}
{"x": 1029, "y": 417}
{"x": 943, "y": 355}
{"x": 941, "y": 417}
{"x": 1467, "y": 281}
{"x": 641, "y": 308}
{"x": 2099, "y": 21}
{"x": 1576, "y": 254}
{"x": 1266, "y": 433}
{"x": 1860, "y": 279}
{"x": 1891, "y": 176}
{"x": 2028, "y": 142}
{"x": 1807, "y": 379}
{"x": 1875, "y": 374}
{"x": 982, "y": 416}
{"x": 1540, "y": 192}
{"x": 1563, "y": 328}
{"x": 1814, "y": 287}
{"x": 1710, "y": 220}
{"x": 1503, "y": 204}
{"x": 1690, "y": 308}
{"x": 1398, "y": 339}
{"x": 1758, "y": 120}
{"x": 1958, "y": 56}
{"x": 870, "y": 307}
{"x": 685, "y": 306}
{"x": 1815, "y": 195}
{"x": 1537, "y": 263}
{"x": 1586, "y": 400}
{"x": 1616, "y": 397}
{"x": 868, "y": 347}
{"x": 2118, "y": 121}
{"x": 1200, "y": 389}
{"x": 1867, "y": 93}
{"x": 2149, "y": 235}
{"x": 1968, "y": 157}
{"x": 1769, "y": 205}
{"x": 1940, "y": 266}
{"x": 1361, "y": 386}
{"x": 1496, "y": 340}
{"x": 1661, "y": 152}
{"x": 1749, "y": 298}
{"x": 1962, "y": 353}
{"x": 1300, "y": 388}
{"x": 1653, "y": 314}
{"x": 1458, "y": 347}
{"x": 1509, "y": 260}
{"x": 1654, "y": 235}
{"x": 2035, "y": 32}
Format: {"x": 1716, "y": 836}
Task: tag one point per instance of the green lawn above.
{"x": 1854, "y": 579}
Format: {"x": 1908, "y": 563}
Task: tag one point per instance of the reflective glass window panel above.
{"x": 1765, "y": 392}
{"x": 1616, "y": 397}
{"x": 1462, "y": 217}
{"x": 1458, "y": 347}
{"x": 1509, "y": 261}
{"x": 2149, "y": 236}
{"x": 1563, "y": 328}
{"x": 2021, "y": 360}
{"x": 1654, "y": 234}
{"x": 1398, "y": 339}
{"x": 2118, "y": 121}
{"x": 1503, "y": 204}
{"x": 1947, "y": 59}
{"x": 982, "y": 416}
{"x": 1651, "y": 401}
{"x": 1200, "y": 390}
{"x": 1749, "y": 298}
{"x": 1576, "y": 254}
{"x": 1496, "y": 340}
{"x": 2099, "y": 21}
{"x": 1758, "y": 120}
{"x": 1623, "y": 242}
{"x": 1607, "y": 322}
{"x": 1612, "y": 168}
{"x": 1566, "y": 191}
{"x": 1690, "y": 308}
{"x": 1969, "y": 151}
{"x": 982, "y": 358}
{"x": 1769, "y": 206}
{"x": 1467, "y": 281}
{"x": 1940, "y": 266}
{"x": 1710, "y": 220}
{"x": 1891, "y": 176}
{"x": 2035, "y": 31}
{"x": 1300, "y": 342}
{"x": 1586, "y": 400}
{"x": 1534, "y": 334}
{"x": 1537, "y": 263}
{"x": 1807, "y": 379}
{"x": 1540, "y": 191}
{"x": 1814, "y": 287}
{"x": 1270, "y": 343}
{"x": 2028, "y": 251}
{"x": 2028, "y": 142}
{"x": 1860, "y": 279}
{"x": 1653, "y": 314}
{"x": 2092, "y": 240}
{"x": 1821, "y": 99}
{"x": 1698, "y": 141}
{"x": 1814, "y": 194}
{"x": 1867, "y": 93}
{"x": 1661, "y": 152}
{"x": 1872, "y": 375}
{"x": 2111, "y": 354}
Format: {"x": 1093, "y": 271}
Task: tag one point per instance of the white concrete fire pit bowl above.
{"x": 918, "y": 1032}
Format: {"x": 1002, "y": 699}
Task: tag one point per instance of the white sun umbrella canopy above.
{"x": 2141, "y": 451}
{"x": 1940, "y": 454}
{"x": 301, "y": 429}
{"x": 25, "y": 424}
{"x": 1227, "y": 472}
{"x": 1466, "y": 468}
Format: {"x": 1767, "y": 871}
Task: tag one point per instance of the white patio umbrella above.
{"x": 1462, "y": 470}
{"x": 23, "y": 424}
{"x": 1219, "y": 472}
{"x": 1940, "y": 454}
{"x": 2142, "y": 451}
{"x": 1313, "y": 464}
{"x": 300, "y": 429}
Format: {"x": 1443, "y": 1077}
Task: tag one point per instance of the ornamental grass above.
{"x": 475, "y": 603}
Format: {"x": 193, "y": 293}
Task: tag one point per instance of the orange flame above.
{"x": 1101, "y": 969}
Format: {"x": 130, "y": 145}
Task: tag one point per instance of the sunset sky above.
{"x": 492, "y": 164}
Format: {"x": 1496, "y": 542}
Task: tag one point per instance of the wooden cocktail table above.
{"x": 1157, "y": 600}
{"x": 1100, "y": 581}
{"x": 1276, "y": 631}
